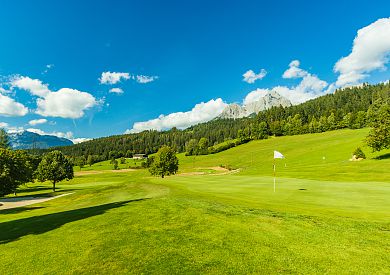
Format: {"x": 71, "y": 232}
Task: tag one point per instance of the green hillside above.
{"x": 322, "y": 156}
{"x": 327, "y": 215}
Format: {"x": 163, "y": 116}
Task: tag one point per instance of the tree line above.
{"x": 346, "y": 108}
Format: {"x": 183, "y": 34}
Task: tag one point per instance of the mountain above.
{"x": 29, "y": 140}
{"x": 271, "y": 99}
{"x": 233, "y": 111}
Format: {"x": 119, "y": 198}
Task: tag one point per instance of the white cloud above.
{"x": 311, "y": 84}
{"x": 48, "y": 67}
{"x": 4, "y": 91}
{"x": 113, "y": 77}
{"x": 294, "y": 71}
{"x": 250, "y": 76}
{"x": 65, "y": 103}
{"x": 34, "y": 86}
{"x": 9, "y": 107}
{"x": 202, "y": 112}
{"x": 4, "y": 125}
{"x": 145, "y": 79}
{"x": 309, "y": 87}
{"x": 79, "y": 140}
{"x": 116, "y": 91}
{"x": 37, "y": 121}
{"x": 370, "y": 52}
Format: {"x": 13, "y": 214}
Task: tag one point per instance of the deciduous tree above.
{"x": 165, "y": 162}
{"x": 55, "y": 167}
{"x": 15, "y": 169}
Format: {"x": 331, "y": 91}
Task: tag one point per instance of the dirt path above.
{"x": 220, "y": 171}
{"x": 10, "y": 203}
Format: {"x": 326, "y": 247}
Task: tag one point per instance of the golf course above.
{"x": 218, "y": 215}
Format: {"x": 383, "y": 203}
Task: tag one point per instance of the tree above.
{"x": 165, "y": 162}
{"x": 192, "y": 147}
{"x": 379, "y": 136}
{"x": 123, "y": 160}
{"x": 358, "y": 153}
{"x": 55, "y": 167}
{"x": 202, "y": 145}
{"x": 80, "y": 161}
{"x": 90, "y": 160}
{"x": 15, "y": 169}
{"x": 4, "y": 139}
{"x": 115, "y": 163}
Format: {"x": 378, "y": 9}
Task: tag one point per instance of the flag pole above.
{"x": 274, "y": 175}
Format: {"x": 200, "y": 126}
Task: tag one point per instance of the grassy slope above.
{"x": 130, "y": 222}
{"x": 304, "y": 157}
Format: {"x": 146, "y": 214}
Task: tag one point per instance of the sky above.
{"x": 87, "y": 69}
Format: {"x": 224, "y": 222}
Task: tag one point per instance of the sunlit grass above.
{"x": 327, "y": 215}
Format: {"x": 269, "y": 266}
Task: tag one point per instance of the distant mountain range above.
{"x": 29, "y": 140}
{"x": 271, "y": 99}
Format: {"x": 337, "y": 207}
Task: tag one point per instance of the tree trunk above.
{"x": 54, "y": 186}
{"x": 162, "y": 175}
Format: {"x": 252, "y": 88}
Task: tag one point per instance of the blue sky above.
{"x": 53, "y": 54}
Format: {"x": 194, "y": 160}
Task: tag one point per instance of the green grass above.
{"x": 326, "y": 216}
{"x": 106, "y": 165}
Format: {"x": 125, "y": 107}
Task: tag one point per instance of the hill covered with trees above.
{"x": 346, "y": 108}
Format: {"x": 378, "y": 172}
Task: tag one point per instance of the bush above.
{"x": 359, "y": 153}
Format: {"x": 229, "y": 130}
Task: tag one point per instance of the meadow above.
{"x": 328, "y": 215}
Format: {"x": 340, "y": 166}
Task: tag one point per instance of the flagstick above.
{"x": 274, "y": 175}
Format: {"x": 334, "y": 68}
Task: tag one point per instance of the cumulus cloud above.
{"x": 116, "y": 91}
{"x": 113, "y": 77}
{"x": 202, "y": 112}
{"x": 37, "y": 121}
{"x": 250, "y": 76}
{"x": 145, "y": 79}
{"x": 309, "y": 87}
{"x": 4, "y": 91}
{"x": 34, "y": 86}
{"x": 65, "y": 103}
{"x": 370, "y": 52}
{"x": 294, "y": 71}
{"x": 80, "y": 140}
{"x": 9, "y": 107}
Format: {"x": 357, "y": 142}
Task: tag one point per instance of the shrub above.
{"x": 359, "y": 153}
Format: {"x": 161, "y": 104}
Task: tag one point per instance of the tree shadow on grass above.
{"x": 35, "y": 188}
{"x": 385, "y": 156}
{"x": 59, "y": 191}
{"x": 14, "y": 230}
{"x": 19, "y": 209}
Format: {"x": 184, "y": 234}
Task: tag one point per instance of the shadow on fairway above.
{"x": 385, "y": 156}
{"x": 19, "y": 209}
{"x": 50, "y": 193}
{"x": 41, "y": 195}
{"x": 13, "y": 230}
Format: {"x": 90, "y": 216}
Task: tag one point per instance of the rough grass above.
{"x": 330, "y": 216}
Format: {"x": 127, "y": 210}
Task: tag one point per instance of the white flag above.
{"x": 278, "y": 155}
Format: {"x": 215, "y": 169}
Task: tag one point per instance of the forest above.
{"x": 346, "y": 108}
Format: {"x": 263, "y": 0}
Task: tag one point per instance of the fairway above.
{"x": 328, "y": 215}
